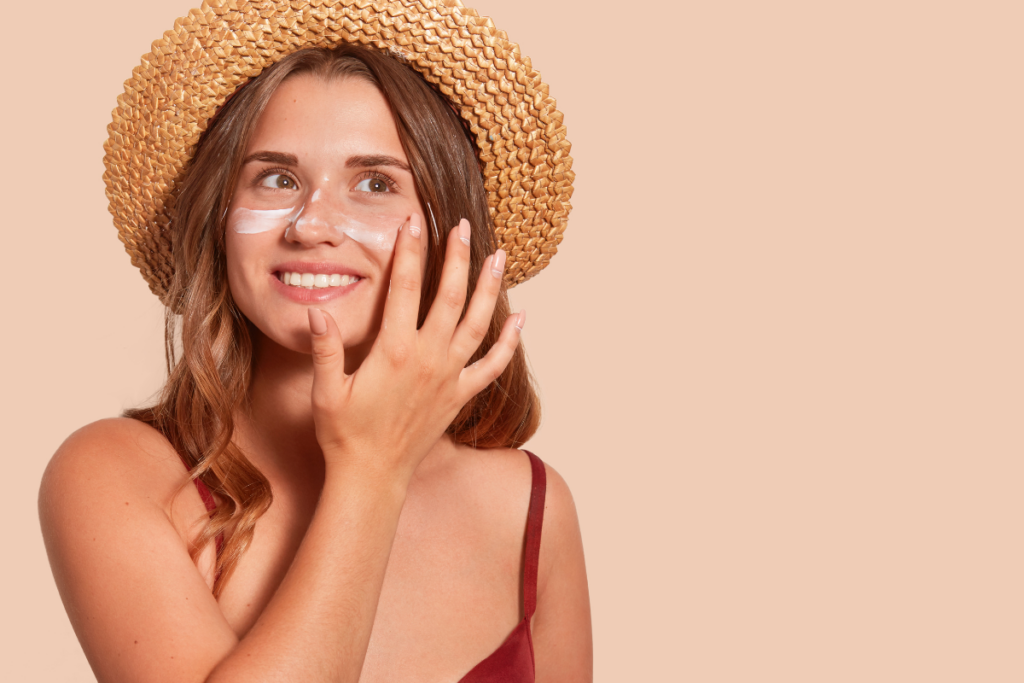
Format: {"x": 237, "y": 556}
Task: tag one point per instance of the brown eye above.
{"x": 278, "y": 181}
{"x": 372, "y": 185}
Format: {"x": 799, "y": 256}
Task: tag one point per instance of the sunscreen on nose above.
{"x": 375, "y": 236}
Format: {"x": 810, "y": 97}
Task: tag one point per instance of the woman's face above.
{"x": 324, "y": 187}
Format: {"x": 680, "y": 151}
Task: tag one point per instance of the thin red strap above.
{"x": 211, "y": 505}
{"x": 534, "y": 522}
{"x": 204, "y": 493}
{"x": 208, "y": 501}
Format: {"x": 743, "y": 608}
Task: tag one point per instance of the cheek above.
{"x": 243, "y": 262}
{"x": 235, "y": 255}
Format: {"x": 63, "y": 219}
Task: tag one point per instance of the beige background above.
{"x": 780, "y": 350}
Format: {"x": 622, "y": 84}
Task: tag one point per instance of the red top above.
{"x": 512, "y": 662}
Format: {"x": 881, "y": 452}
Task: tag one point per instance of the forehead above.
{"x": 311, "y": 116}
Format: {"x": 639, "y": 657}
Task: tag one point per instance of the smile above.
{"x": 316, "y": 280}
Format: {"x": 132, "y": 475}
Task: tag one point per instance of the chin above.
{"x": 293, "y": 334}
{"x": 280, "y": 314}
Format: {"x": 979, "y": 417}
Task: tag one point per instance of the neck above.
{"x": 277, "y": 432}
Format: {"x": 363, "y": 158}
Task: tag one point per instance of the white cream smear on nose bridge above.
{"x": 255, "y": 221}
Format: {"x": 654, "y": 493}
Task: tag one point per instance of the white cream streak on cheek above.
{"x": 254, "y": 221}
{"x": 384, "y": 240}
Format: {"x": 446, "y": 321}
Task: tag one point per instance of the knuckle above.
{"x": 476, "y": 331}
{"x": 493, "y": 373}
{"x": 398, "y": 353}
{"x": 486, "y": 373}
{"x": 324, "y": 356}
{"x": 322, "y": 403}
{"x": 407, "y": 284}
{"x": 453, "y": 298}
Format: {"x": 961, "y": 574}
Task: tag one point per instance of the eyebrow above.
{"x": 370, "y": 160}
{"x": 358, "y": 161}
{"x": 273, "y": 158}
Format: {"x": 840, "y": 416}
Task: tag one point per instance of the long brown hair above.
{"x": 208, "y": 379}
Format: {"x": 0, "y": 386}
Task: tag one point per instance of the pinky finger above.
{"x": 475, "y": 377}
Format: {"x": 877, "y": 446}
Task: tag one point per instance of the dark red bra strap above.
{"x": 534, "y": 522}
{"x": 204, "y": 493}
{"x": 208, "y": 501}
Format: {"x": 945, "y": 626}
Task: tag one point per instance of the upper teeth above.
{"x": 311, "y": 280}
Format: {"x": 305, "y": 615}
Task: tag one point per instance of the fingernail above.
{"x": 521, "y": 321}
{"x": 317, "y": 322}
{"x": 464, "y": 231}
{"x": 414, "y": 225}
{"x": 498, "y": 264}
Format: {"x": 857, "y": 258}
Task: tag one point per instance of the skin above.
{"x": 389, "y": 553}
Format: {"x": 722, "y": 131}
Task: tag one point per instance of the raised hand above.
{"x": 385, "y": 417}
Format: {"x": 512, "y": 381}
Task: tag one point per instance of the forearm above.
{"x": 318, "y": 624}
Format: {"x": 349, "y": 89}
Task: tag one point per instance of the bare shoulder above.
{"x": 110, "y": 475}
{"x": 561, "y": 542}
{"x": 560, "y": 516}
{"x": 111, "y": 439}
{"x": 563, "y": 645}
{"x": 502, "y": 480}
{"x": 114, "y": 455}
{"x": 109, "y": 512}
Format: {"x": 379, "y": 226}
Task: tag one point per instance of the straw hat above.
{"x": 195, "y": 66}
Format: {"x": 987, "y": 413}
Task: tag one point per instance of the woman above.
{"x": 348, "y": 412}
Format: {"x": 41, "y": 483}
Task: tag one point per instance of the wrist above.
{"x": 372, "y": 473}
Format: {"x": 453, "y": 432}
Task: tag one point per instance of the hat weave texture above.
{"x": 194, "y": 67}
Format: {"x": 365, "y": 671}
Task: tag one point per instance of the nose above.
{"x": 315, "y": 223}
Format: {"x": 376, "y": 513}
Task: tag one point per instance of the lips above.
{"x": 314, "y": 282}
{"x": 315, "y": 268}
{"x": 311, "y": 295}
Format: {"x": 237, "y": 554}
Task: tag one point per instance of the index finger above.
{"x": 447, "y": 307}
{"x": 401, "y": 310}
{"x": 474, "y": 326}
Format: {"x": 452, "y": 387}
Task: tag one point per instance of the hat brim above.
{"x": 196, "y": 66}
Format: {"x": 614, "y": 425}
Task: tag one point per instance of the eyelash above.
{"x": 272, "y": 171}
{"x": 388, "y": 180}
{"x": 384, "y": 177}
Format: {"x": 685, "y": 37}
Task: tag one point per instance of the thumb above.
{"x": 328, "y": 361}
